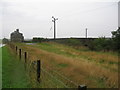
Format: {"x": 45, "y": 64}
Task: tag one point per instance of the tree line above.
{"x": 98, "y": 44}
{"x": 107, "y": 44}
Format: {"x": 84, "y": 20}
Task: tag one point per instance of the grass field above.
{"x": 82, "y": 66}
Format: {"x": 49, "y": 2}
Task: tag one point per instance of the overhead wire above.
{"x": 86, "y": 11}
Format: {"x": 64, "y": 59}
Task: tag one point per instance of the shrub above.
{"x": 73, "y": 42}
{"x": 116, "y": 39}
{"x": 101, "y": 44}
{"x": 37, "y": 39}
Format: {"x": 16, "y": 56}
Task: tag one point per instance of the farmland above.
{"x": 78, "y": 66}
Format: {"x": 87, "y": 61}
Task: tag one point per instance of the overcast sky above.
{"x": 34, "y": 17}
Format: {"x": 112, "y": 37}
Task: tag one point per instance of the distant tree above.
{"x": 116, "y": 39}
{"x": 37, "y": 39}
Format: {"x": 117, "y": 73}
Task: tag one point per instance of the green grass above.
{"x": 55, "y": 48}
{"x": 15, "y": 75}
{"x": 13, "y": 72}
{"x": 0, "y": 68}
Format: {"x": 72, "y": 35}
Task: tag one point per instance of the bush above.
{"x": 101, "y": 44}
{"x": 73, "y": 42}
{"x": 107, "y": 44}
{"x": 37, "y": 39}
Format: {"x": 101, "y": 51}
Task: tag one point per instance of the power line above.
{"x": 76, "y": 13}
{"x": 86, "y": 11}
{"x": 51, "y": 28}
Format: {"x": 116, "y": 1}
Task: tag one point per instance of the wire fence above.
{"x": 67, "y": 80}
{"x": 39, "y": 76}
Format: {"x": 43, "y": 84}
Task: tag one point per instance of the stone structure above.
{"x": 16, "y": 36}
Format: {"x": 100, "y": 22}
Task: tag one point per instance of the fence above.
{"x": 42, "y": 77}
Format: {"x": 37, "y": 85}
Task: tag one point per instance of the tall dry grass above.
{"x": 78, "y": 70}
{"x": 105, "y": 59}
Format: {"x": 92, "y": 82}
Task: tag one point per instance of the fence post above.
{"x": 38, "y": 70}
{"x": 25, "y": 56}
{"x": 82, "y": 87}
{"x": 16, "y": 49}
{"x": 20, "y": 53}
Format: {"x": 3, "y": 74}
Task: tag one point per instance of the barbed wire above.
{"x": 54, "y": 77}
{"x": 48, "y": 79}
{"x": 65, "y": 78}
{"x": 32, "y": 66}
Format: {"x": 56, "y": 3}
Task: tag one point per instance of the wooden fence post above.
{"x": 82, "y": 87}
{"x": 38, "y": 70}
{"x": 20, "y": 53}
{"x": 25, "y": 56}
{"x": 16, "y": 49}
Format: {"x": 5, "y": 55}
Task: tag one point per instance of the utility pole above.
{"x": 54, "y": 19}
{"x": 86, "y": 32}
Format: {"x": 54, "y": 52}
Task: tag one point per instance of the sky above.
{"x": 34, "y": 18}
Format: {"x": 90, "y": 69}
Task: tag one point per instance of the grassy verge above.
{"x": 13, "y": 72}
{"x": 16, "y": 76}
{"x": 0, "y": 68}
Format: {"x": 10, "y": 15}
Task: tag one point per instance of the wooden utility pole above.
{"x": 86, "y": 32}
{"x": 54, "y": 19}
